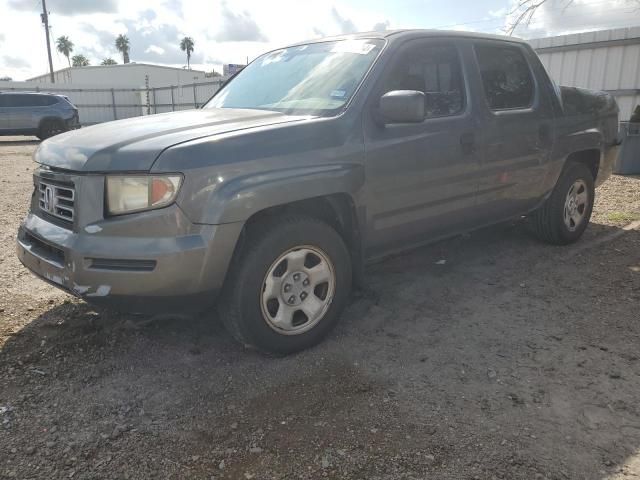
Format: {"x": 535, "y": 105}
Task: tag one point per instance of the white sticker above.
{"x": 274, "y": 57}
{"x": 360, "y": 47}
{"x": 338, "y": 93}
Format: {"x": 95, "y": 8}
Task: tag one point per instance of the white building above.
{"x": 124, "y": 75}
{"x": 603, "y": 60}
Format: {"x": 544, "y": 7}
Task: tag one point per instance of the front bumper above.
{"x": 146, "y": 273}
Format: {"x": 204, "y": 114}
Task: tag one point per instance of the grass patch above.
{"x": 623, "y": 217}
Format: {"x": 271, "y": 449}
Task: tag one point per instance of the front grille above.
{"x": 57, "y": 199}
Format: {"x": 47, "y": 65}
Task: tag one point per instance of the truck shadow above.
{"x": 488, "y": 355}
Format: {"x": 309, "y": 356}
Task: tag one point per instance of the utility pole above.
{"x": 45, "y": 19}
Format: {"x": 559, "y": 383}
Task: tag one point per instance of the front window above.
{"x": 313, "y": 79}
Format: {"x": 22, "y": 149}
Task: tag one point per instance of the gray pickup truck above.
{"x": 315, "y": 159}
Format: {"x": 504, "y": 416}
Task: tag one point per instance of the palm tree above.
{"x": 65, "y": 47}
{"x": 122, "y": 44}
{"x": 109, "y": 61}
{"x": 79, "y": 61}
{"x": 186, "y": 45}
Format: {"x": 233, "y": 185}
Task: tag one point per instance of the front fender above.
{"x": 238, "y": 199}
{"x": 230, "y": 177}
{"x": 242, "y": 197}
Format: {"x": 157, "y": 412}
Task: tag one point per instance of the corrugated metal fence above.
{"x": 98, "y": 105}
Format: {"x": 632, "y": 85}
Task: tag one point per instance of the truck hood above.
{"x": 134, "y": 144}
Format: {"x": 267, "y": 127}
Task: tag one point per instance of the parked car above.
{"x": 41, "y": 114}
{"x": 312, "y": 161}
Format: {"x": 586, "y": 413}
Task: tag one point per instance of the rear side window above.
{"x": 506, "y": 77}
{"x": 434, "y": 70}
{"x": 40, "y": 101}
{"x": 20, "y": 100}
{"x": 26, "y": 100}
{"x": 47, "y": 101}
{"x": 13, "y": 100}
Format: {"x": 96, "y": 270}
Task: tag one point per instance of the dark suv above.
{"x": 40, "y": 114}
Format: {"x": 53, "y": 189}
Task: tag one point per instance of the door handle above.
{"x": 468, "y": 142}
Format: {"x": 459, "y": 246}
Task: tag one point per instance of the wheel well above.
{"x": 590, "y": 158}
{"x": 337, "y": 210}
{"x": 49, "y": 119}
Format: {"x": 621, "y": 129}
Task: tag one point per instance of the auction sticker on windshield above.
{"x": 360, "y": 47}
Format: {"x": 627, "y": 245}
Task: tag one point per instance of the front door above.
{"x": 421, "y": 177}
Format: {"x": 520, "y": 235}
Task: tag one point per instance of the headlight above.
{"x": 134, "y": 193}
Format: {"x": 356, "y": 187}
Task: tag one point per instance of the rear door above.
{"x": 20, "y": 111}
{"x": 421, "y": 177}
{"x": 4, "y": 113}
{"x": 517, "y": 131}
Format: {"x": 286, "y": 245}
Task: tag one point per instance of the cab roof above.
{"x": 401, "y": 35}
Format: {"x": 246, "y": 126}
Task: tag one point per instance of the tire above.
{"x": 291, "y": 254}
{"x": 554, "y": 222}
{"x": 50, "y": 128}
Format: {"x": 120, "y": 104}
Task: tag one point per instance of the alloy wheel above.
{"x": 576, "y": 205}
{"x": 297, "y": 290}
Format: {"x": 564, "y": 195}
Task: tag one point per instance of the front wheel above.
{"x": 288, "y": 286}
{"x": 565, "y": 215}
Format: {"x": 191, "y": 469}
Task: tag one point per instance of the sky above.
{"x": 232, "y": 31}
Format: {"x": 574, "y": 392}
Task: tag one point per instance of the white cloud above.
{"x": 155, "y": 49}
{"x": 381, "y": 26}
{"x": 559, "y": 17}
{"x": 232, "y": 30}
{"x": 499, "y": 13}
{"x": 344, "y": 23}
{"x": 238, "y": 27}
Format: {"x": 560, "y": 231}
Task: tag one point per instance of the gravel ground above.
{"x": 513, "y": 360}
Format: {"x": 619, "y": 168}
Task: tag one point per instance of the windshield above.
{"x": 316, "y": 79}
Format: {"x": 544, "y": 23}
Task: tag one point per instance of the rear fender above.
{"x": 571, "y": 144}
{"x": 48, "y": 118}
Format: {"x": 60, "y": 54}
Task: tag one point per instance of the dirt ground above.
{"x": 512, "y": 360}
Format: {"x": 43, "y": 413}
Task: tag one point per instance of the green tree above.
{"x": 65, "y": 47}
{"x": 122, "y": 44}
{"x": 186, "y": 45}
{"x": 109, "y": 61}
{"x": 79, "y": 61}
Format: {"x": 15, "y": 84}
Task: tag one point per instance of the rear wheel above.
{"x": 50, "y": 128}
{"x": 288, "y": 286}
{"x": 565, "y": 215}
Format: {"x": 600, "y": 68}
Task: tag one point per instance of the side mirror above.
{"x": 402, "y": 106}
